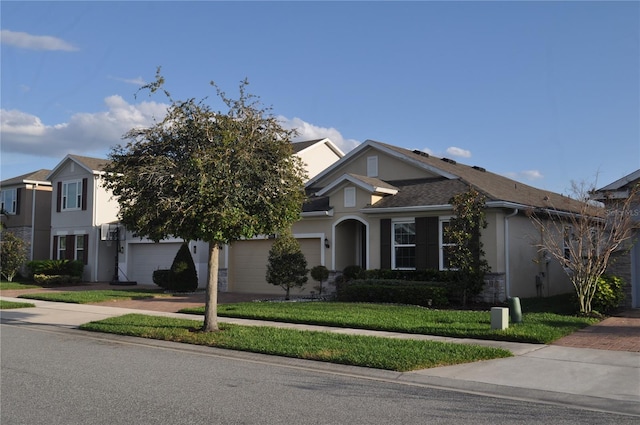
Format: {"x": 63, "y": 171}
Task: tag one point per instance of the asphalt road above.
{"x": 54, "y": 375}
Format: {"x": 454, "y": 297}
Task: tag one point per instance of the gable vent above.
{"x": 450, "y": 161}
{"x": 475, "y": 167}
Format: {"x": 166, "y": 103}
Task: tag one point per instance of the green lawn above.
{"x": 536, "y": 327}
{"x": 97, "y": 296}
{"x": 16, "y": 285}
{"x": 6, "y": 305}
{"x": 366, "y": 351}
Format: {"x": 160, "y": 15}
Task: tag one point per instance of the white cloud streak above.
{"x": 455, "y": 151}
{"x": 88, "y": 133}
{"x": 25, "y": 40}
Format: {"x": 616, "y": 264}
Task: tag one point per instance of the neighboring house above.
{"x": 626, "y": 262}
{"x": 26, "y": 211}
{"x": 80, "y": 209}
{"x": 382, "y": 206}
{"x": 142, "y": 256}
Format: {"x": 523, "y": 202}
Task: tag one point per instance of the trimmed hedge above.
{"x": 72, "y": 268}
{"x": 427, "y": 294}
{"x": 54, "y": 279}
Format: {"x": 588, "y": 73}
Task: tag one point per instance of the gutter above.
{"x": 317, "y": 214}
{"x": 33, "y": 218}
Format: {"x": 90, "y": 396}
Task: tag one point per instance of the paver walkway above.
{"x": 618, "y": 333}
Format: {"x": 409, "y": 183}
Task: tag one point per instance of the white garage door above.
{"x": 248, "y": 266}
{"x": 145, "y": 258}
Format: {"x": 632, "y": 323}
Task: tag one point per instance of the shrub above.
{"x": 13, "y": 254}
{"x": 353, "y": 272}
{"x": 56, "y": 267}
{"x": 162, "y": 278}
{"x": 54, "y": 279}
{"x": 184, "y": 276}
{"x": 609, "y": 294}
{"x": 287, "y": 266}
{"x": 319, "y": 274}
{"x": 426, "y": 294}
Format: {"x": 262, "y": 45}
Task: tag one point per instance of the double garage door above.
{"x": 248, "y": 266}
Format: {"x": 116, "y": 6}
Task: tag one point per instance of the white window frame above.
{"x": 372, "y": 166}
{"x": 567, "y": 237}
{"x": 9, "y": 209}
{"x": 79, "y": 241}
{"x": 395, "y": 244}
{"x": 62, "y": 247}
{"x": 441, "y": 243}
{"x": 65, "y": 195}
{"x": 349, "y": 197}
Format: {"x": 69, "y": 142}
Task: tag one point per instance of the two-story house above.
{"x": 80, "y": 206}
{"x": 26, "y": 211}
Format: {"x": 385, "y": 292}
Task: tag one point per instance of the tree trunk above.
{"x": 211, "y": 307}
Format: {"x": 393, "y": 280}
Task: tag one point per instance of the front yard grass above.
{"x": 538, "y": 327}
{"x": 366, "y": 351}
{"x": 97, "y": 296}
{"x": 6, "y": 305}
{"x": 16, "y": 285}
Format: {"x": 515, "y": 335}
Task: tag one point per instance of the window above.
{"x": 62, "y": 248}
{"x": 372, "y": 166}
{"x": 72, "y": 195}
{"x": 80, "y": 250}
{"x": 349, "y": 197}
{"x": 9, "y": 201}
{"x": 445, "y": 242}
{"x": 404, "y": 245}
{"x": 566, "y": 242}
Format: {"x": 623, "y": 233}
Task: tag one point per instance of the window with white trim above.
{"x": 566, "y": 242}
{"x": 372, "y": 166}
{"x": 9, "y": 201}
{"x": 403, "y": 239}
{"x": 349, "y": 197}
{"x": 444, "y": 243}
{"x": 80, "y": 248}
{"x": 62, "y": 247}
{"x": 72, "y": 195}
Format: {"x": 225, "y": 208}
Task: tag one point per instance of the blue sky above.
{"x": 543, "y": 92}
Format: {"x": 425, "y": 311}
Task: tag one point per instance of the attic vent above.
{"x": 421, "y": 153}
{"x": 450, "y": 161}
{"x": 475, "y": 167}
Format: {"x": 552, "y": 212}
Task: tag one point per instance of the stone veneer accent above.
{"x": 494, "y": 290}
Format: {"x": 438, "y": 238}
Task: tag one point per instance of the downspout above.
{"x": 33, "y": 218}
{"x": 94, "y": 203}
{"x": 507, "y": 273}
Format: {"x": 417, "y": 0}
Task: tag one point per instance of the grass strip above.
{"x": 7, "y": 305}
{"x": 539, "y": 328}
{"x": 97, "y": 296}
{"x": 16, "y": 285}
{"x": 367, "y": 351}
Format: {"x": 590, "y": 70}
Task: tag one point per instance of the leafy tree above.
{"x": 319, "y": 274}
{"x": 204, "y": 175}
{"x": 464, "y": 247}
{"x": 13, "y": 252}
{"x": 184, "y": 276}
{"x": 583, "y": 241}
{"x": 287, "y": 266}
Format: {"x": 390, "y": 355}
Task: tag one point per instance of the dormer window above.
{"x": 349, "y": 197}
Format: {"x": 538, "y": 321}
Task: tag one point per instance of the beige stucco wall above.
{"x": 317, "y": 158}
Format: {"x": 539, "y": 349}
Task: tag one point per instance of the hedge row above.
{"x": 427, "y": 294}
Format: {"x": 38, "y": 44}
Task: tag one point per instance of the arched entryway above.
{"x": 351, "y": 247}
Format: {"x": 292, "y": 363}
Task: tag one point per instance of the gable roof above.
{"x": 299, "y": 147}
{"x": 39, "y": 176}
{"x": 622, "y": 182}
{"x": 437, "y": 191}
{"x": 90, "y": 164}
{"x": 370, "y": 184}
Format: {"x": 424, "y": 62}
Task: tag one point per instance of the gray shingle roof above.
{"x": 95, "y": 164}
{"x": 39, "y": 176}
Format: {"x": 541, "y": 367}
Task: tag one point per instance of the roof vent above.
{"x": 450, "y": 161}
{"x": 475, "y": 167}
{"x": 421, "y": 153}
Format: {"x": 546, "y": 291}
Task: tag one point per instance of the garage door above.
{"x": 145, "y": 258}
{"x": 248, "y": 266}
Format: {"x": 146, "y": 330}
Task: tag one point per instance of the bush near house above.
{"x": 609, "y": 294}
{"x": 55, "y": 272}
{"x": 427, "y": 294}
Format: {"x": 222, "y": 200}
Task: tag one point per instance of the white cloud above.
{"x": 454, "y": 151}
{"x": 24, "y": 40}
{"x": 139, "y": 81}
{"x": 308, "y": 131}
{"x": 529, "y": 175}
{"x": 85, "y": 132}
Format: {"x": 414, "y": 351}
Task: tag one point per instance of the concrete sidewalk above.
{"x": 587, "y": 378}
